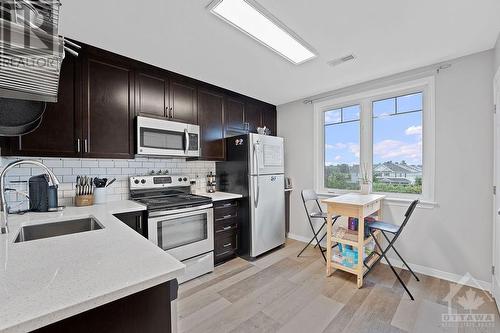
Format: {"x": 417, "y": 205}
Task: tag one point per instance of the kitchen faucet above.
{"x": 4, "y": 226}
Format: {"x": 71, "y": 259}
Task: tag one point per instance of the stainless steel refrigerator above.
{"x": 254, "y": 167}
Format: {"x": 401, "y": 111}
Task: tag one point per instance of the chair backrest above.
{"x": 409, "y": 212}
{"x": 310, "y": 195}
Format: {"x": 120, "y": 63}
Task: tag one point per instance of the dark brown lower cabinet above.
{"x": 211, "y": 122}
{"x": 135, "y": 220}
{"x": 226, "y": 226}
{"x": 148, "y": 311}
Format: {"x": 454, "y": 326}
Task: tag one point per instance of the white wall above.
{"x": 497, "y": 54}
{"x": 455, "y": 236}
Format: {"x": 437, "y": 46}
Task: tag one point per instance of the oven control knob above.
{"x": 136, "y": 181}
{"x": 185, "y": 179}
{"x": 180, "y": 179}
{"x": 143, "y": 181}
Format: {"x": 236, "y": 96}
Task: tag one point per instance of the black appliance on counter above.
{"x": 42, "y": 196}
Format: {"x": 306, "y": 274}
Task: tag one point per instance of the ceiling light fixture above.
{"x": 254, "y": 20}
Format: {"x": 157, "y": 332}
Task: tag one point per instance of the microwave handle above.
{"x": 186, "y": 141}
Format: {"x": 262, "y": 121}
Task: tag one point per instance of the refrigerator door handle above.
{"x": 256, "y": 195}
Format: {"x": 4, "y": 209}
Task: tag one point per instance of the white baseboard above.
{"x": 452, "y": 277}
{"x": 298, "y": 238}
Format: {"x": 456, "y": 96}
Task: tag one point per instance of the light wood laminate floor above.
{"x": 282, "y": 293}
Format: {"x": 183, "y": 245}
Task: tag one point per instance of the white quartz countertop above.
{"x": 46, "y": 280}
{"x": 219, "y": 196}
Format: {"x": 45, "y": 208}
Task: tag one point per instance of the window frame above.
{"x": 365, "y": 99}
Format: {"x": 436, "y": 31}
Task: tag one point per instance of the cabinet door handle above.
{"x": 85, "y": 146}
{"x": 140, "y": 222}
{"x": 78, "y": 145}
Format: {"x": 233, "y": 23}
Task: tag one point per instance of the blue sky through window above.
{"x": 397, "y": 132}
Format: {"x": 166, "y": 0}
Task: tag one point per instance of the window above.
{"x": 387, "y": 134}
{"x": 397, "y": 144}
{"x": 342, "y": 128}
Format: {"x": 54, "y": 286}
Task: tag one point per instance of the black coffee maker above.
{"x": 43, "y": 198}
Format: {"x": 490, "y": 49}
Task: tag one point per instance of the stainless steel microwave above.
{"x": 160, "y": 137}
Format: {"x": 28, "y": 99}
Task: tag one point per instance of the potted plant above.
{"x": 365, "y": 182}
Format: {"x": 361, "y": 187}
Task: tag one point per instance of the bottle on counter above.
{"x": 211, "y": 182}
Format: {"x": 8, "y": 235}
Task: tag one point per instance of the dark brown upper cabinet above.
{"x": 269, "y": 119}
{"x": 100, "y": 93}
{"x": 253, "y": 116}
{"x": 234, "y": 116}
{"x": 59, "y": 133}
{"x": 108, "y": 110}
{"x": 211, "y": 122}
{"x": 158, "y": 95}
{"x": 183, "y": 106}
{"x": 152, "y": 97}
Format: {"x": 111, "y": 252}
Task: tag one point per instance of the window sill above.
{"x": 389, "y": 201}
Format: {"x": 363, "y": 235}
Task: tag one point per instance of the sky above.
{"x": 396, "y": 137}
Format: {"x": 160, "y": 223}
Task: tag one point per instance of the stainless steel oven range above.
{"x": 179, "y": 222}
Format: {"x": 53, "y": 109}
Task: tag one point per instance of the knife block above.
{"x": 84, "y": 200}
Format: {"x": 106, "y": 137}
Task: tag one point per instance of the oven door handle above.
{"x": 179, "y": 211}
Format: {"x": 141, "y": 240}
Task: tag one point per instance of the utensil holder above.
{"x": 84, "y": 200}
{"x": 100, "y": 195}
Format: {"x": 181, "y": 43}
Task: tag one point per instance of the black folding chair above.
{"x": 307, "y": 196}
{"x": 395, "y": 230}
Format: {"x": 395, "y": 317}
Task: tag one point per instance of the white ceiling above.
{"x": 387, "y": 37}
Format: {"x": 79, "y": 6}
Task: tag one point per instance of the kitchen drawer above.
{"x": 225, "y": 204}
{"x": 226, "y": 225}
{"x": 226, "y": 244}
{"x": 226, "y": 212}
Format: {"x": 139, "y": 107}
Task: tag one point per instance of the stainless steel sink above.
{"x": 60, "y": 228}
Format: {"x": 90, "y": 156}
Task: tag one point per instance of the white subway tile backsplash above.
{"x": 121, "y": 164}
{"x": 135, "y": 164}
{"x": 66, "y": 169}
{"x": 90, "y": 164}
{"x": 106, "y": 164}
{"x": 128, "y": 171}
{"x": 20, "y": 171}
{"x": 62, "y": 171}
{"x": 98, "y": 171}
{"x": 72, "y": 163}
{"x": 53, "y": 163}
{"x": 81, "y": 171}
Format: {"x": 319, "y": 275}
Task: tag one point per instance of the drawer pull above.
{"x": 227, "y": 228}
{"x": 225, "y": 217}
{"x": 227, "y": 205}
{"x": 228, "y": 244}
{"x": 223, "y": 253}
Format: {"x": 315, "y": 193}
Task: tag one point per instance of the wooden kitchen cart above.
{"x": 358, "y": 206}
